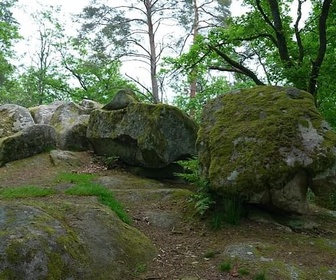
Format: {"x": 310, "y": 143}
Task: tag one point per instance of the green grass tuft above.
{"x": 260, "y": 276}
{"x": 225, "y": 266}
{"x": 243, "y": 271}
{"x": 209, "y": 254}
{"x": 26, "y": 191}
{"x": 104, "y": 196}
{"x": 75, "y": 178}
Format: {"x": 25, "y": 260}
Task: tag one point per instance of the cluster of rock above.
{"x": 266, "y": 145}
{"x": 145, "y": 135}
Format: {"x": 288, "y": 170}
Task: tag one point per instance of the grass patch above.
{"x": 83, "y": 187}
{"x": 24, "y": 192}
{"x": 225, "y": 266}
{"x": 243, "y": 272}
{"x": 260, "y": 276}
{"x": 210, "y": 254}
{"x": 75, "y": 178}
{"x": 104, "y": 196}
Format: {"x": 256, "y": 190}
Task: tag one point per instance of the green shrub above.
{"x": 109, "y": 161}
{"x": 203, "y": 197}
{"x": 227, "y": 209}
{"x": 209, "y": 254}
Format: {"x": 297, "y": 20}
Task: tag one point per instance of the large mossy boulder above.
{"x": 68, "y": 239}
{"x": 265, "y": 144}
{"x": 27, "y": 142}
{"x": 14, "y": 118}
{"x": 145, "y": 135}
{"x": 70, "y": 121}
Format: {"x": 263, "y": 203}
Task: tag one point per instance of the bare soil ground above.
{"x": 187, "y": 247}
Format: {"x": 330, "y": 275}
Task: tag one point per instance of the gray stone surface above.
{"x": 14, "y": 118}
{"x": 151, "y": 136}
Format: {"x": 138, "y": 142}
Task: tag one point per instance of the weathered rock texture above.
{"x": 265, "y": 144}
{"x": 70, "y": 121}
{"x": 42, "y": 114}
{"x": 26, "y": 143}
{"x": 145, "y": 135}
{"x": 14, "y": 118}
{"x": 121, "y": 100}
{"x": 68, "y": 240}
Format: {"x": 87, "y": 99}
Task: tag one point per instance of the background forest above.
{"x": 192, "y": 50}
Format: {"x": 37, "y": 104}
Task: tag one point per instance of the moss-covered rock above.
{"x": 26, "y": 143}
{"x": 265, "y": 144}
{"x": 14, "y": 118}
{"x": 68, "y": 240}
{"x": 70, "y": 121}
{"x": 121, "y": 100}
{"x": 145, "y": 135}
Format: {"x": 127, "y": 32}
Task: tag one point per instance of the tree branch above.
{"x": 235, "y": 65}
{"x": 265, "y": 17}
{"x": 297, "y": 31}
{"x": 141, "y": 85}
{"x": 280, "y": 35}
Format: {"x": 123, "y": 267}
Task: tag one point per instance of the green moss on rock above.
{"x": 144, "y": 135}
{"x": 255, "y": 138}
{"x": 48, "y": 241}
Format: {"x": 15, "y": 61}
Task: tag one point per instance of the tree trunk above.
{"x": 151, "y": 34}
{"x": 317, "y": 63}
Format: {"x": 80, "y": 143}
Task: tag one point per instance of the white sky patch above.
{"x": 26, "y": 48}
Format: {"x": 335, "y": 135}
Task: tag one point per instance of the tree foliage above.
{"x": 8, "y": 35}
{"x": 97, "y": 74}
{"x": 270, "y": 46}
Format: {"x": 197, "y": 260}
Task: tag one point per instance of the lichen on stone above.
{"x": 256, "y": 139}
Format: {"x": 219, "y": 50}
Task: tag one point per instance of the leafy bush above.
{"x": 203, "y": 198}
{"x": 222, "y": 209}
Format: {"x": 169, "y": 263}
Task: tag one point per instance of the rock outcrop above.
{"x": 28, "y": 142}
{"x": 121, "y": 100}
{"x": 151, "y": 136}
{"x": 67, "y": 239}
{"x": 70, "y": 121}
{"x": 14, "y": 118}
{"x": 42, "y": 114}
{"x": 265, "y": 144}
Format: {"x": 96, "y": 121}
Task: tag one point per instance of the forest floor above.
{"x": 258, "y": 248}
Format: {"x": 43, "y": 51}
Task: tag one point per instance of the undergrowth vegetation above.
{"x": 221, "y": 209}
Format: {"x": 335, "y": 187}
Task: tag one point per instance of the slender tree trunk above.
{"x": 151, "y": 34}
